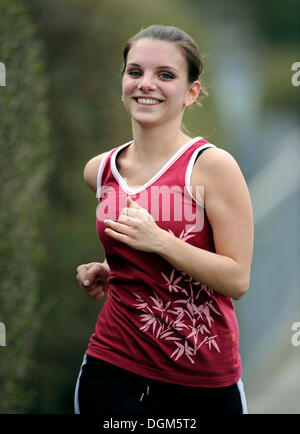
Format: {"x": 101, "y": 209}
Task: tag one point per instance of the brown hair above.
{"x": 182, "y": 39}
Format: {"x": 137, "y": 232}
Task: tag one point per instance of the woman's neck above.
{"x": 156, "y": 143}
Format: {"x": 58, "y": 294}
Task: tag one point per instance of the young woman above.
{"x": 175, "y": 219}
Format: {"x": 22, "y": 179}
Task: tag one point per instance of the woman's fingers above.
{"x": 119, "y": 227}
{"x": 96, "y": 272}
{"x": 93, "y": 278}
{"x": 134, "y": 213}
{"x": 96, "y": 290}
{"x": 96, "y": 293}
{"x": 88, "y": 274}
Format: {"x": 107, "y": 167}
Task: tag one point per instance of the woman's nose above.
{"x": 147, "y": 82}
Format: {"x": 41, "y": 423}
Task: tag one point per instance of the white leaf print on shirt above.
{"x": 187, "y": 321}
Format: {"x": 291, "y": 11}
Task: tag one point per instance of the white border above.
{"x": 240, "y": 386}
{"x": 100, "y": 171}
{"x": 189, "y": 169}
{"x": 132, "y": 191}
{"x": 76, "y": 402}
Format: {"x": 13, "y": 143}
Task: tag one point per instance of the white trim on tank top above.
{"x": 189, "y": 170}
{"x": 99, "y": 174}
{"x": 101, "y": 167}
{"x": 132, "y": 191}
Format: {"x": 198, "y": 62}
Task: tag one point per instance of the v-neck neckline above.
{"x": 132, "y": 191}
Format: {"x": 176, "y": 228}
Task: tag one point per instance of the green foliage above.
{"x": 24, "y": 165}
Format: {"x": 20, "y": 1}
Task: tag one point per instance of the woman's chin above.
{"x": 147, "y": 121}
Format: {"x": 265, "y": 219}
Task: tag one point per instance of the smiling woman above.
{"x": 149, "y": 85}
{"x": 166, "y": 339}
{"x": 183, "y": 41}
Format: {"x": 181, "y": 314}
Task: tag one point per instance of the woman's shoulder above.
{"x": 216, "y": 162}
{"x": 90, "y": 171}
{"x": 218, "y": 172}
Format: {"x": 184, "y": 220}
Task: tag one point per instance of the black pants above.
{"x": 104, "y": 389}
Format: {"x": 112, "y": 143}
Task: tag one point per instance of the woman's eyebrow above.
{"x": 167, "y": 67}
{"x": 133, "y": 64}
{"x": 158, "y": 67}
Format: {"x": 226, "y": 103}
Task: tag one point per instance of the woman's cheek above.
{"x": 127, "y": 97}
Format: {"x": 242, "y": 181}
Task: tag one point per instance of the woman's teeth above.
{"x": 148, "y": 101}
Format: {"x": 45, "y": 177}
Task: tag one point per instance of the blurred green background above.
{"x": 61, "y": 105}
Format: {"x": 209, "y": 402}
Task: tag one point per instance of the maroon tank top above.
{"x": 157, "y": 321}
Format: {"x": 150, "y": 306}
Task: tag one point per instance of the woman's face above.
{"x": 155, "y": 82}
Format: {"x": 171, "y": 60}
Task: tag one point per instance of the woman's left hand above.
{"x": 135, "y": 227}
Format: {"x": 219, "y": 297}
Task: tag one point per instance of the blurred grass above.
{"x": 25, "y": 164}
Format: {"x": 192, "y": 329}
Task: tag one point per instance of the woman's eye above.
{"x": 135, "y": 73}
{"x": 166, "y": 75}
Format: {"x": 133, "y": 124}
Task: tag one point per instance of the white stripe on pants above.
{"x": 240, "y": 386}
{"x": 76, "y": 402}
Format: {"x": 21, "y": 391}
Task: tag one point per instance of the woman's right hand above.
{"x": 93, "y": 277}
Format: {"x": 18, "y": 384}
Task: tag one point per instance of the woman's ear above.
{"x": 193, "y": 93}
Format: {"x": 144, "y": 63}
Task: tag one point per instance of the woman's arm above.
{"x": 93, "y": 276}
{"x": 228, "y": 208}
{"x": 90, "y": 171}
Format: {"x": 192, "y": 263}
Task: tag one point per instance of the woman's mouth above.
{"x": 147, "y": 101}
